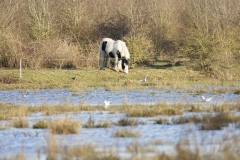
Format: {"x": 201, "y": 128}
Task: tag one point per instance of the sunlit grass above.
{"x": 64, "y": 126}
{"x": 42, "y": 124}
{"x": 149, "y": 110}
{"x": 9, "y": 110}
{"x": 217, "y": 122}
{"x": 59, "y": 126}
{"x": 177, "y": 77}
{"x": 20, "y": 123}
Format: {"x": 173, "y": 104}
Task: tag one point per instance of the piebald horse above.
{"x": 117, "y": 50}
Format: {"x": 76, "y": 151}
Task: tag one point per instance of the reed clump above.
{"x": 58, "y": 109}
{"x": 149, "y": 110}
{"x": 92, "y": 124}
{"x": 126, "y": 133}
{"x": 218, "y": 121}
{"x": 188, "y": 119}
{"x": 127, "y": 122}
{"x": 42, "y": 124}
{"x": 64, "y": 126}
{"x": 237, "y": 91}
{"x": 161, "y": 121}
{"x": 20, "y": 122}
{"x": 9, "y": 110}
{"x": 59, "y": 126}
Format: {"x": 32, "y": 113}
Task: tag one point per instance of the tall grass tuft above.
{"x": 126, "y": 133}
{"x": 41, "y": 124}
{"x": 127, "y": 122}
{"x": 64, "y": 126}
{"x": 150, "y": 110}
{"x": 91, "y": 124}
{"x": 217, "y": 122}
{"x": 20, "y": 123}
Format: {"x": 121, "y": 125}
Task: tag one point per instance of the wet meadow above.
{"x": 163, "y": 118}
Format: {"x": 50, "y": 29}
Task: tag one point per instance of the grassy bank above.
{"x": 160, "y": 75}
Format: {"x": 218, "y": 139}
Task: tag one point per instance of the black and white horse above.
{"x": 117, "y": 50}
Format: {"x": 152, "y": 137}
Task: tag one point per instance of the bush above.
{"x": 141, "y": 50}
{"x": 10, "y": 50}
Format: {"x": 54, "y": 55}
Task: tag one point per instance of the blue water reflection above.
{"x": 97, "y": 96}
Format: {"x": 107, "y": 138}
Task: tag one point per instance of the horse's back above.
{"x": 106, "y": 44}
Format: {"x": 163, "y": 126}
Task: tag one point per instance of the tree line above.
{"x": 45, "y": 31}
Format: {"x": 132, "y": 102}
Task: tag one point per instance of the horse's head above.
{"x": 125, "y": 64}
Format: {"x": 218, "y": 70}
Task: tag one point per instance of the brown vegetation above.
{"x": 126, "y": 133}
{"x": 91, "y": 124}
{"x": 64, "y": 126}
{"x": 66, "y": 34}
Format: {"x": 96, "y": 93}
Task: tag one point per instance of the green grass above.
{"x": 176, "y": 77}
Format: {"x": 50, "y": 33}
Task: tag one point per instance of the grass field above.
{"x": 160, "y": 75}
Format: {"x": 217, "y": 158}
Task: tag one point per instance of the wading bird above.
{"x": 145, "y": 79}
{"x": 207, "y": 99}
{"x": 107, "y": 103}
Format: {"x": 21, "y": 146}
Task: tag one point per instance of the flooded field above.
{"x": 96, "y": 96}
{"x": 151, "y": 135}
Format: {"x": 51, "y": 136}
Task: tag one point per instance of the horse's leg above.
{"x": 108, "y": 61}
{"x": 120, "y": 65}
{"x": 116, "y": 63}
{"x": 102, "y": 57}
{"x": 105, "y": 60}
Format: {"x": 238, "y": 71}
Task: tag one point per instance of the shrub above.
{"x": 141, "y": 50}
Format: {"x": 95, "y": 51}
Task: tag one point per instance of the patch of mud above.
{"x": 8, "y": 79}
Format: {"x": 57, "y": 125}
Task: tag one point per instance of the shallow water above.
{"x": 33, "y": 141}
{"x": 97, "y": 96}
{"x": 163, "y": 138}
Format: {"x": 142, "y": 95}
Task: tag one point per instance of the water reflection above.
{"x": 97, "y": 96}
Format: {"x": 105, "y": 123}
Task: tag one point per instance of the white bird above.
{"x": 107, "y": 103}
{"x": 207, "y": 99}
{"x": 24, "y": 96}
{"x": 145, "y": 79}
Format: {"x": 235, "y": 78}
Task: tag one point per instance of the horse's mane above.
{"x": 125, "y": 50}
